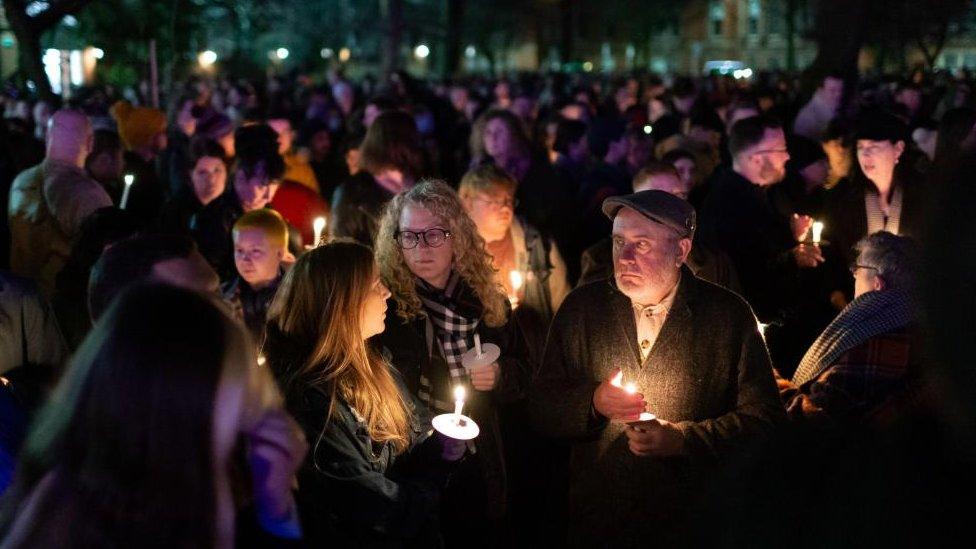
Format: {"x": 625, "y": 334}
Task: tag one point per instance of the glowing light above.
{"x": 207, "y": 58}
{"x": 317, "y": 227}
{"x": 470, "y": 52}
{"x": 458, "y": 400}
{"x": 344, "y": 54}
{"x": 817, "y": 230}
{"x": 588, "y": 66}
{"x": 421, "y": 51}
{"x": 326, "y": 53}
{"x": 282, "y": 53}
{"x": 516, "y": 279}
{"x": 98, "y": 53}
{"x": 648, "y": 129}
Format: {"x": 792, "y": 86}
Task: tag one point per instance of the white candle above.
{"x": 129, "y": 180}
{"x": 318, "y": 226}
{"x": 458, "y": 399}
{"x": 817, "y": 231}
{"x": 477, "y": 345}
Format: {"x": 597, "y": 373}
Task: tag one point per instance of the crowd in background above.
{"x": 180, "y": 341}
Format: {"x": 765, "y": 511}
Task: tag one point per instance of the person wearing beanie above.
{"x": 143, "y": 133}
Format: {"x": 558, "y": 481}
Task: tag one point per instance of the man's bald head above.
{"x": 69, "y": 137}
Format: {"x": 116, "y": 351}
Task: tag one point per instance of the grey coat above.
{"x": 708, "y": 372}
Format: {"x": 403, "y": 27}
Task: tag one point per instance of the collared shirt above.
{"x": 878, "y": 218}
{"x": 649, "y": 320}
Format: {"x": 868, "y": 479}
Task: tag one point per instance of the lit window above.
{"x": 716, "y": 17}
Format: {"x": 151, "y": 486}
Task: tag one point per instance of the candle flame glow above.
{"x": 318, "y": 225}
{"x": 817, "y": 231}
{"x": 459, "y": 392}
{"x": 129, "y": 178}
{"x": 516, "y": 279}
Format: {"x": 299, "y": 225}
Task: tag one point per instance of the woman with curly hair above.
{"x": 444, "y": 291}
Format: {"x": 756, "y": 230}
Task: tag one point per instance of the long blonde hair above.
{"x": 471, "y": 261}
{"x": 319, "y": 306}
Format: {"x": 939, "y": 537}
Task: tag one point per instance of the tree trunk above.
{"x": 791, "y": 35}
{"x": 28, "y": 47}
{"x": 839, "y": 33}
{"x": 393, "y": 14}
{"x": 452, "y": 42}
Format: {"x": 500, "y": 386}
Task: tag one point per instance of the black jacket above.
{"x": 414, "y": 353}
{"x": 352, "y": 491}
{"x": 738, "y": 218}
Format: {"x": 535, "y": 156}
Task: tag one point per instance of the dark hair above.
{"x": 105, "y": 141}
{"x": 652, "y": 169}
{"x": 122, "y": 456}
{"x": 257, "y": 146}
{"x": 516, "y": 128}
{"x": 202, "y": 147}
{"x": 956, "y": 125}
{"x": 392, "y": 142}
{"x": 748, "y": 132}
{"x": 129, "y": 262}
{"x": 675, "y": 155}
{"x": 568, "y": 132}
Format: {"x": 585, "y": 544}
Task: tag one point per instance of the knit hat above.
{"x": 137, "y": 125}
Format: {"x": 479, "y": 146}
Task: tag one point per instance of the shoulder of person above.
{"x": 583, "y": 298}
{"x": 712, "y": 299}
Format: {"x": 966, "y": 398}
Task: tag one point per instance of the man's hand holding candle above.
{"x": 654, "y": 438}
{"x": 614, "y": 401}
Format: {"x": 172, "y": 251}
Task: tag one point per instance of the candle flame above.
{"x": 516, "y": 279}
{"x": 459, "y": 393}
{"x": 630, "y": 388}
{"x": 318, "y": 225}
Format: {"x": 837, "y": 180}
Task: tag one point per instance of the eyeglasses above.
{"x": 853, "y": 267}
{"x": 433, "y": 238}
{"x": 499, "y": 204}
{"x": 770, "y": 151}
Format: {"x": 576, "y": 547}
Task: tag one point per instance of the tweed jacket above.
{"x": 708, "y": 372}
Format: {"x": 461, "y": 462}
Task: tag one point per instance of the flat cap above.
{"x": 658, "y": 206}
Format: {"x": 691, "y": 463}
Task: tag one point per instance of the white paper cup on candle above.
{"x": 817, "y": 230}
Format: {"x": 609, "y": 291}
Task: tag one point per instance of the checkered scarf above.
{"x": 871, "y": 314}
{"x": 453, "y": 321}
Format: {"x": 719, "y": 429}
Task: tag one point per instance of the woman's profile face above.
{"x": 374, "y": 309}
{"x": 498, "y": 139}
{"x": 431, "y": 264}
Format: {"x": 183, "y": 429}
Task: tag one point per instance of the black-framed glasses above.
{"x": 433, "y": 238}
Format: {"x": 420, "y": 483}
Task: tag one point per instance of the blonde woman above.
{"x": 356, "y": 414}
{"x": 435, "y": 264}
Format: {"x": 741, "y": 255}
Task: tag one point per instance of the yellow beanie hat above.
{"x": 137, "y": 125}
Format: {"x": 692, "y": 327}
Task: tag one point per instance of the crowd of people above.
{"x": 230, "y": 324}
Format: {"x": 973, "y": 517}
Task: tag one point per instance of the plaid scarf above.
{"x": 871, "y": 314}
{"x": 453, "y": 321}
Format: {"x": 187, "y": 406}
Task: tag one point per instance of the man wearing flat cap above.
{"x": 653, "y": 339}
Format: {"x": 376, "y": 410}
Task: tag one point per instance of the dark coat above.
{"x": 357, "y": 206}
{"x": 352, "y": 491}
{"x": 739, "y": 219}
{"x": 413, "y": 353}
{"x": 847, "y": 223}
{"x": 708, "y": 372}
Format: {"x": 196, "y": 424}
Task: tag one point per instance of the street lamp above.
{"x": 421, "y": 51}
{"x": 344, "y": 54}
{"x": 207, "y": 58}
{"x": 282, "y": 53}
{"x": 98, "y": 53}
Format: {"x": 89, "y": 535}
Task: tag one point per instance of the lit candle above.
{"x": 630, "y": 388}
{"x": 618, "y": 381}
{"x": 817, "y": 231}
{"x": 515, "y": 277}
{"x": 261, "y": 360}
{"x": 477, "y": 345}
{"x": 458, "y": 400}
{"x": 129, "y": 180}
{"x": 318, "y": 226}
